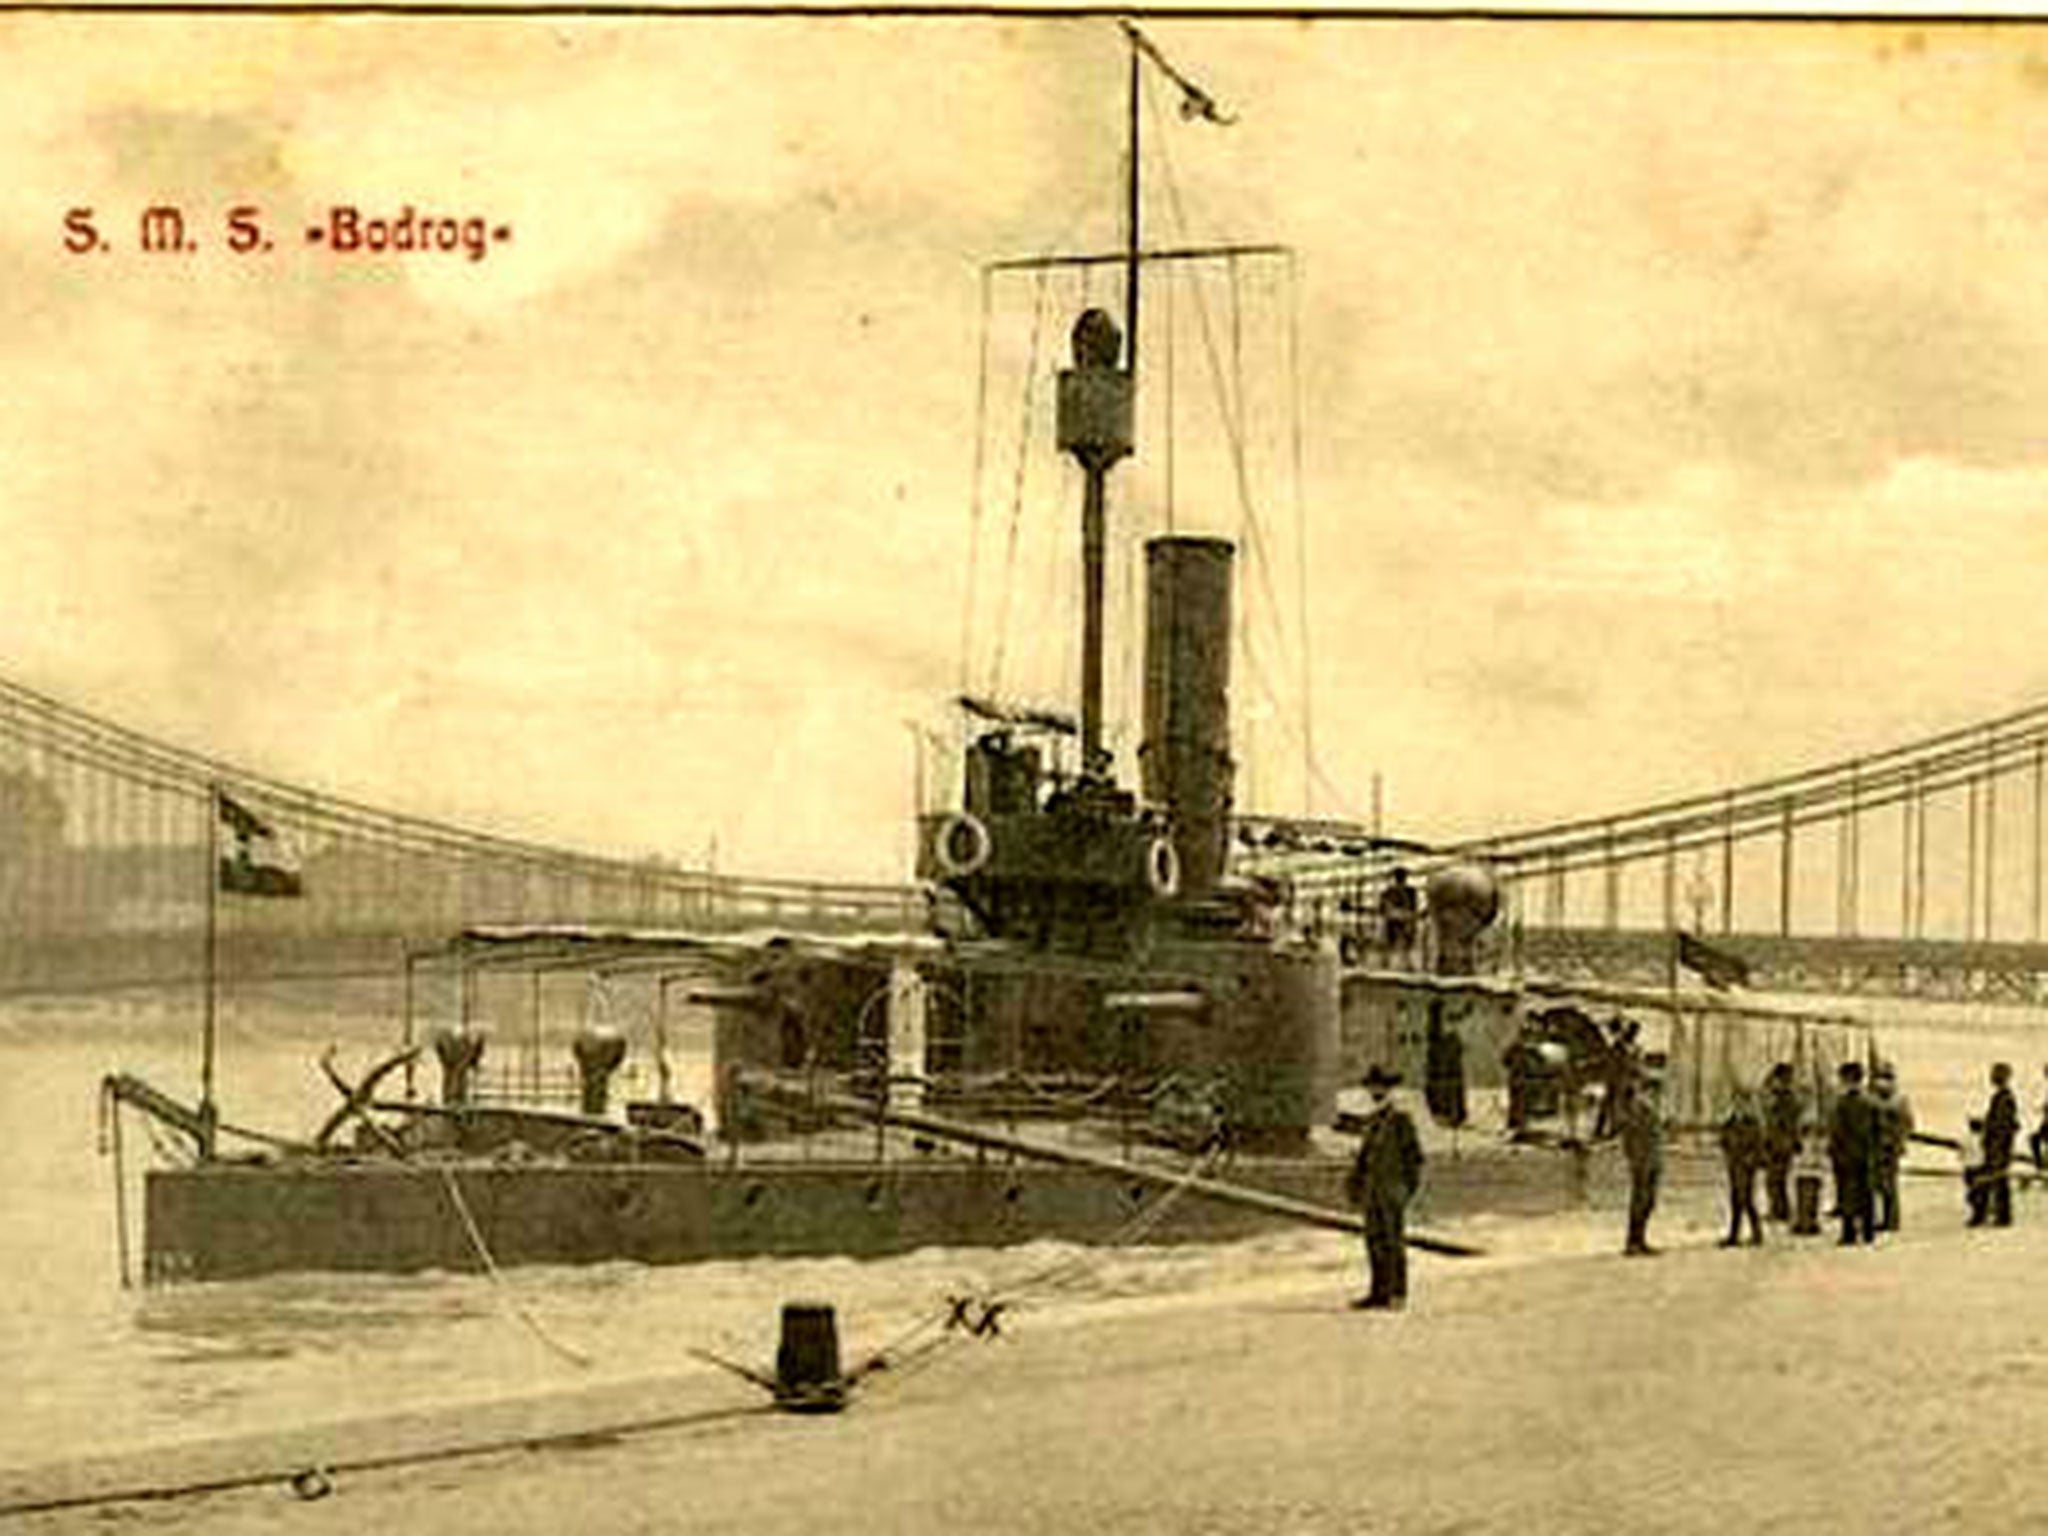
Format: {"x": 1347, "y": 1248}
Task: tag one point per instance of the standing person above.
{"x": 1642, "y": 1143}
{"x": 1515, "y": 1065}
{"x": 1621, "y": 1059}
{"x": 1444, "y": 1089}
{"x": 1742, "y": 1150}
{"x": 1400, "y": 912}
{"x": 1852, "y": 1148}
{"x": 1894, "y": 1130}
{"x": 1976, "y": 1193}
{"x": 1782, "y": 1115}
{"x": 2038, "y": 1142}
{"x": 1384, "y": 1178}
{"x": 2001, "y": 1129}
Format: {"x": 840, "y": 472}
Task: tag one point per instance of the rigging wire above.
{"x": 1229, "y": 408}
{"x": 1231, "y": 400}
{"x": 1235, "y": 413}
{"x": 1024, "y": 438}
{"x": 977, "y": 498}
{"x": 1060, "y": 580}
{"x": 1018, "y": 477}
{"x": 1312, "y": 768}
{"x": 1172, "y": 368}
{"x": 1126, "y": 554}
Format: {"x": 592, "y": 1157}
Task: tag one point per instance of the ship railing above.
{"x": 521, "y": 1085}
{"x": 888, "y": 908}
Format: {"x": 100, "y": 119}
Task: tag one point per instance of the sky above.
{"x": 1646, "y": 408}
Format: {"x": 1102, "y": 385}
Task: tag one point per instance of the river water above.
{"x": 89, "y": 1366}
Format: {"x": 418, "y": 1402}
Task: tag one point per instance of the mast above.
{"x": 1132, "y": 215}
{"x": 1097, "y": 394}
{"x": 1095, "y": 427}
{"x": 1096, "y": 410}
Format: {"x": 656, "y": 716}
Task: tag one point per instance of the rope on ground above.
{"x": 962, "y": 1317}
{"x": 315, "y": 1481}
{"x": 476, "y": 1241}
{"x": 1134, "y": 1230}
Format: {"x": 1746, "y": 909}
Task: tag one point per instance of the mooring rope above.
{"x": 960, "y": 1317}
{"x": 476, "y": 1241}
{"x": 316, "y": 1481}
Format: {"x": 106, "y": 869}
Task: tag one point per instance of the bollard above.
{"x": 1806, "y": 1186}
{"x": 807, "y": 1377}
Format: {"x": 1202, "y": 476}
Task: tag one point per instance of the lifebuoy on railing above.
{"x": 960, "y": 846}
{"x": 1162, "y": 867}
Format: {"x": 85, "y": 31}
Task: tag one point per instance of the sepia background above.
{"x": 1667, "y": 403}
{"x": 1638, "y": 409}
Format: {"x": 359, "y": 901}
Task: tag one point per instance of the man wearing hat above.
{"x": 1642, "y": 1144}
{"x": 1853, "y": 1149}
{"x": 1384, "y": 1178}
{"x": 2001, "y": 1129}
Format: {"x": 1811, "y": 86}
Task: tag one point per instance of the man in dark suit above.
{"x": 2037, "y": 1143}
{"x": 2001, "y": 1130}
{"x": 1782, "y": 1116}
{"x": 1444, "y": 1089}
{"x": 1642, "y": 1144}
{"x": 1384, "y": 1178}
{"x": 1853, "y": 1149}
{"x": 1400, "y": 907}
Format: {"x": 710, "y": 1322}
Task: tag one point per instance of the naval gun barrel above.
{"x": 1208, "y": 1189}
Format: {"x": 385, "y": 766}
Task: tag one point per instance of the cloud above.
{"x": 1578, "y": 290}
{"x": 1642, "y": 365}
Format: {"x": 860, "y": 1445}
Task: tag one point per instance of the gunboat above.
{"x": 1114, "y": 1030}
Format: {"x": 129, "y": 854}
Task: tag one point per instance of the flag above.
{"x": 254, "y": 863}
{"x": 1194, "y": 101}
{"x": 1719, "y": 968}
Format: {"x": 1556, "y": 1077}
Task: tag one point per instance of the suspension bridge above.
{"x": 109, "y": 843}
{"x": 1917, "y": 870}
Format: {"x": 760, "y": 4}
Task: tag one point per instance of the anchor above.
{"x": 356, "y": 1100}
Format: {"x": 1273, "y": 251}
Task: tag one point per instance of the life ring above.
{"x": 960, "y": 846}
{"x": 1162, "y": 868}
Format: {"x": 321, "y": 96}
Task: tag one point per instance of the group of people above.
{"x": 1865, "y": 1135}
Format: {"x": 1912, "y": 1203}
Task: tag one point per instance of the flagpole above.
{"x": 207, "y": 1110}
{"x": 1676, "y": 1047}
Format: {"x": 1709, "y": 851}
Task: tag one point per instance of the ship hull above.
{"x": 224, "y": 1221}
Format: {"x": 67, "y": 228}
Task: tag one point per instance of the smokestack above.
{"x": 1187, "y": 700}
